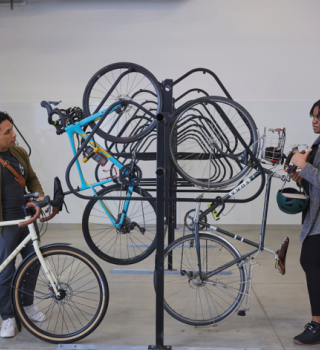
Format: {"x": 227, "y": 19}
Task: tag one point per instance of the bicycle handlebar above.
{"x": 38, "y": 205}
{"x": 291, "y": 168}
{"x": 47, "y": 106}
{"x": 53, "y": 214}
{"x": 35, "y": 216}
{"x": 45, "y": 201}
{"x": 58, "y": 124}
{"x": 288, "y": 160}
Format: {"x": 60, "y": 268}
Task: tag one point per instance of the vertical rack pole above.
{"x": 162, "y": 197}
{"x": 167, "y": 91}
{"x": 174, "y": 177}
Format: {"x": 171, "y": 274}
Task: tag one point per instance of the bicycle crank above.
{"x": 130, "y": 176}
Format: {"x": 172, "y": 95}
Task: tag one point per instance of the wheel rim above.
{"x": 201, "y": 135}
{"x": 131, "y": 242}
{"x": 197, "y": 302}
{"x": 132, "y": 83}
{"x": 80, "y": 303}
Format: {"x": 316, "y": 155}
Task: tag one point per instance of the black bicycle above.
{"x": 207, "y": 279}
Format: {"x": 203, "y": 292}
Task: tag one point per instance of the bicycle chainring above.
{"x": 128, "y": 177}
{"x": 188, "y": 220}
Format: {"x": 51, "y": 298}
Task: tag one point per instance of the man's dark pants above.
{"x": 11, "y": 237}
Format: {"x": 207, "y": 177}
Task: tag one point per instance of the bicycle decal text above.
{"x": 241, "y": 186}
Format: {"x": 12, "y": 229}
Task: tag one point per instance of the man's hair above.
{"x": 5, "y": 116}
{"x": 316, "y": 104}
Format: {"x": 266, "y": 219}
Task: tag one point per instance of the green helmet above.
{"x": 291, "y": 201}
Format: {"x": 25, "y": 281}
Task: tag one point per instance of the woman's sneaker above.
{"x": 310, "y": 335}
{"x": 8, "y": 328}
{"x": 34, "y": 314}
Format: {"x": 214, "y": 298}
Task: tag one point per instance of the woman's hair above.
{"x": 5, "y": 116}
{"x": 313, "y": 107}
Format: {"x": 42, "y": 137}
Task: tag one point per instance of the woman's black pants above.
{"x": 310, "y": 262}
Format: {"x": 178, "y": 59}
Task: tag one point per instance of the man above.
{"x": 11, "y": 202}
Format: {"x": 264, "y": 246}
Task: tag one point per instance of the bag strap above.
{"x": 18, "y": 177}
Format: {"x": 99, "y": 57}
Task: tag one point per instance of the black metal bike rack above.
{"x": 25, "y": 141}
{"x": 167, "y": 186}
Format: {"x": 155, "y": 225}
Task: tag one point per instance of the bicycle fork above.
{"x": 47, "y": 269}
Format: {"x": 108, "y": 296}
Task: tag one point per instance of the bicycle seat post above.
{"x": 196, "y": 233}
{"x": 196, "y": 213}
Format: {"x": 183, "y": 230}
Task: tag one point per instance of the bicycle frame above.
{"x": 35, "y": 241}
{"x": 259, "y": 246}
{"x": 73, "y": 129}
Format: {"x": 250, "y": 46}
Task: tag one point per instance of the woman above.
{"x": 309, "y": 163}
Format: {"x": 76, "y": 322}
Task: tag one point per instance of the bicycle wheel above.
{"x": 201, "y": 140}
{"x": 198, "y": 303}
{"x": 84, "y": 294}
{"x": 122, "y": 82}
{"x": 134, "y": 240}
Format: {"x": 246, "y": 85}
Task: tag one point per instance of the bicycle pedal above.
{"x": 241, "y": 313}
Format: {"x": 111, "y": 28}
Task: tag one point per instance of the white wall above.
{"x": 265, "y": 52}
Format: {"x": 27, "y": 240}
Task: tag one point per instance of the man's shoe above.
{"x": 310, "y": 335}
{"x": 8, "y": 328}
{"x": 34, "y": 314}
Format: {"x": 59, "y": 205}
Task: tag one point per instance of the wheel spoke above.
{"x": 133, "y": 240}
{"x": 83, "y": 295}
{"x": 190, "y": 299}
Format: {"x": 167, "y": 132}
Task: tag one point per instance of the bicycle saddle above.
{"x": 281, "y": 256}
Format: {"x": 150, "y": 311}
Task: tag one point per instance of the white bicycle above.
{"x": 65, "y": 283}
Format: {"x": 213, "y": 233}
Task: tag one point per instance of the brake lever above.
{"x": 43, "y": 202}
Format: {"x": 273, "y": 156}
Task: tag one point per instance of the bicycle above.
{"x": 65, "y": 283}
{"x": 118, "y": 231}
{"x": 207, "y": 279}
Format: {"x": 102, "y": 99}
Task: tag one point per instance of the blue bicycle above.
{"x": 123, "y": 99}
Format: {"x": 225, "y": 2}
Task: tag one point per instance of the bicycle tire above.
{"x": 118, "y": 246}
{"x": 85, "y": 295}
{"x": 198, "y": 132}
{"x": 222, "y": 294}
{"x": 138, "y": 85}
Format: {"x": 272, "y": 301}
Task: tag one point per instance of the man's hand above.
{"x": 40, "y": 198}
{"x": 300, "y": 159}
{"x": 296, "y": 177}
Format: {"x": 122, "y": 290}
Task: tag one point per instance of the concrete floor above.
{"x": 279, "y": 304}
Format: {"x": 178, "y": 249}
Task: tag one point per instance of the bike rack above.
{"x": 25, "y": 141}
{"x": 166, "y": 182}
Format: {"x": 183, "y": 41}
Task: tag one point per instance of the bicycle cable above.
{"x": 43, "y": 224}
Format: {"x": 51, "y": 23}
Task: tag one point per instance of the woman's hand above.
{"x": 295, "y": 176}
{"x": 300, "y": 159}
